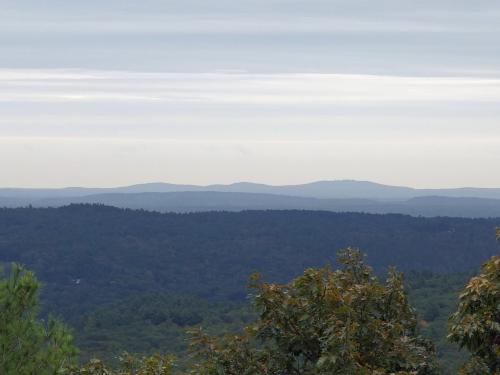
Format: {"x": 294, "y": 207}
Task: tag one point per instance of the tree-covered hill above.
{"x": 202, "y": 201}
{"x": 148, "y": 323}
{"x": 333, "y": 189}
{"x": 89, "y": 255}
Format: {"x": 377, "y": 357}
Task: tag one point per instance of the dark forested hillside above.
{"x": 89, "y": 255}
{"x": 136, "y": 280}
{"x": 148, "y": 323}
{"x": 202, "y": 201}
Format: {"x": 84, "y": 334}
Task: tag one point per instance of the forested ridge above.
{"x": 88, "y": 255}
{"x": 138, "y": 280}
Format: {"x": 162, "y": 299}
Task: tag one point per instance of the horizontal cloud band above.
{"x": 264, "y": 89}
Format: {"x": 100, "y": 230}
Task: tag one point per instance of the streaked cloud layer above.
{"x": 116, "y": 92}
{"x": 338, "y": 36}
{"x": 262, "y": 89}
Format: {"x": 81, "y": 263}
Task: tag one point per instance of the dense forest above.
{"x": 88, "y": 255}
{"x": 149, "y": 323}
{"x": 138, "y": 280}
{"x": 325, "y": 321}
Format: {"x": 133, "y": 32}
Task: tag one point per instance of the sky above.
{"x": 118, "y": 92}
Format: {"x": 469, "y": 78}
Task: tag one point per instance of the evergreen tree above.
{"x": 28, "y": 346}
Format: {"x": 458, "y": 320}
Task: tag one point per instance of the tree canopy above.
{"x": 324, "y": 322}
{"x": 476, "y": 323}
{"x": 27, "y": 346}
{"x": 89, "y": 256}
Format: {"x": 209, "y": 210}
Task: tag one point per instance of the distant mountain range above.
{"x": 341, "y": 189}
{"x": 340, "y": 196}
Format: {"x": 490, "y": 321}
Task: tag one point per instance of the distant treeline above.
{"x": 202, "y": 201}
{"x": 87, "y": 255}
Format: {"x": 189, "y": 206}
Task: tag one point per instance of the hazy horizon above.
{"x": 246, "y": 182}
{"x": 280, "y": 92}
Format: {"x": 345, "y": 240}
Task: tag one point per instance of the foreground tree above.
{"x": 476, "y": 324}
{"x": 324, "y": 322}
{"x": 27, "y": 346}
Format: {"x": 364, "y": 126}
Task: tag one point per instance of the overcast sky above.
{"x": 115, "y": 92}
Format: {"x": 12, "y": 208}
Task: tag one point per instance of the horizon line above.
{"x": 245, "y": 182}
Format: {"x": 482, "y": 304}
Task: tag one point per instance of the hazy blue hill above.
{"x": 450, "y": 206}
{"x": 195, "y": 201}
{"x": 487, "y": 193}
{"x": 12, "y": 202}
{"x": 213, "y": 201}
{"x": 342, "y": 189}
{"x": 26, "y": 194}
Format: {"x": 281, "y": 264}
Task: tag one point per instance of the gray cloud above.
{"x": 387, "y": 36}
{"x": 280, "y": 91}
